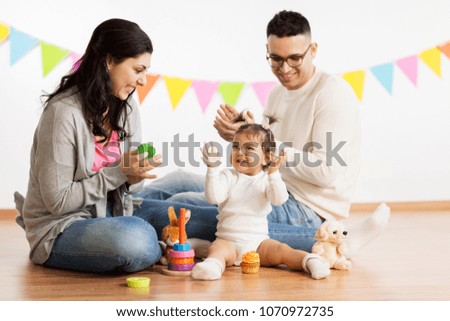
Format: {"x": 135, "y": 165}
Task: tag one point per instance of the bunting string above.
{"x": 52, "y": 55}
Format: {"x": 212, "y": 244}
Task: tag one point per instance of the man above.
{"x": 318, "y": 129}
{"x": 319, "y": 121}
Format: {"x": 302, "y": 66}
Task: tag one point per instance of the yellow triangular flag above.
{"x": 176, "y": 87}
{"x": 356, "y": 80}
{"x": 432, "y": 58}
{"x": 4, "y": 31}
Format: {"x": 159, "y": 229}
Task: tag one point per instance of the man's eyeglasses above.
{"x": 293, "y": 60}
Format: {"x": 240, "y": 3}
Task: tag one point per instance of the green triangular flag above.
{"x": 230, "y": 91}
{"x": 51, "y": 56}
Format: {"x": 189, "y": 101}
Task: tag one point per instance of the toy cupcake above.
{"x": 250, "y": 262}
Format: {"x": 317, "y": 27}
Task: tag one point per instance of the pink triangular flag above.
{"x": 409, "y": 67}
{"x": 262, "y": 90}
{"x": 204, "y": 90}
{"x": 75, "y": 60}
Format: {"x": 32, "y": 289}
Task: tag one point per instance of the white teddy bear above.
{"x": 330, "y": 245}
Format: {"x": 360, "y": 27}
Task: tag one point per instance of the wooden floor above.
{"x": 410, "y": 261}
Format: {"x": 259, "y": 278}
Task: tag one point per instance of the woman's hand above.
{"x": 224, "y": 121}
{"x": 210, "y": 156}
{"x": 276, "y": 162}
{"x": 135, "y": 167}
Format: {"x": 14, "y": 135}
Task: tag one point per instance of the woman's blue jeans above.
{"x": 292, "y": 223}
{"x": 111, "y": 244}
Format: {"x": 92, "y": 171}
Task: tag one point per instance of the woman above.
{"x": 77, "y": 213}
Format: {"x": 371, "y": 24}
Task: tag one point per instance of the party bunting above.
{"x": 142, "y": 91}
{"x": 176, "y": 88}
{"x": 20, "y": 44}
{"x": 432, "y": 58}
{"x": 262, "y": 90}
{"x": 409, "y": 67}
{"x": 4, "y": 32}
{"x": 51, "y": 56}
{"x": 230, "y": 91}
{"x": 384, "y": 74}
{"x": 356, "y": 80}
{"x": 204, "y": 91}
{"x": 444, "y": 48}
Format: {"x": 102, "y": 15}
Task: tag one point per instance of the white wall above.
{"x": 406, "y": 136}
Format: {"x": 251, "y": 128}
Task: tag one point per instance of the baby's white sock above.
{"x": 313, "y": 264}
{"x": 361, "y": 234}
{"x": 209, "y": 269}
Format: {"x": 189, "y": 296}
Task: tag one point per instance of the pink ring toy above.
{"x": 181, "y": 254}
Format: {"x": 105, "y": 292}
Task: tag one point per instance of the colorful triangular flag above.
{"x": 75, "y": 57}
{"x": 230, "y": 91}
{"x": 444, "y": 48}
{"x": 20, "y": 44}
{"x": 262, "y": 90}
{"x": 144, "y": 90}
{"x": 432, "y": 58}
{"x": 409, "y": 67}
{"x": 4, "y": 32}
{"x": 384, "y": 73}
{"x": 51, "y": 56}
{"x": 176, "y": 87}
{"x": 204, "y": 91}
{"x": 356, "y": 80}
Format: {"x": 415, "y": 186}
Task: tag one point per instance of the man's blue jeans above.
{"x": 292, "y": 223}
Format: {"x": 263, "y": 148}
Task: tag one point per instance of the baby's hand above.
{"x": 276, "y": 162}
{"x": 210, "y": 157}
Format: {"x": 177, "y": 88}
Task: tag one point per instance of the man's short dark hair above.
{"x": 288, "y": 24}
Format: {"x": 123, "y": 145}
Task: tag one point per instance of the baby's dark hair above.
{"x": 259, "y": 133}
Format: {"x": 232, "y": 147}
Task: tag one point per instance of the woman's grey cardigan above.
{"x": 62, "y": 187}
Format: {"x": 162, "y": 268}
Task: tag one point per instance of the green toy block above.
{"x": 146, "y": 147}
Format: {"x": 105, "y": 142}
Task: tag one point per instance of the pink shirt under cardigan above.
{"x": 108, "y": 154}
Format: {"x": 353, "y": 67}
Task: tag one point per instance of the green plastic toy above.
{"x": 146, "y": 147}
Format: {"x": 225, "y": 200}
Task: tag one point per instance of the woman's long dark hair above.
{"x": 115, "y": 39}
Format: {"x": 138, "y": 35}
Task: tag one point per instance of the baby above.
{"x": 244, "y": 195}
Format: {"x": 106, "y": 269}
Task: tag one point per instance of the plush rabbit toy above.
{"x": 170, "y": 234}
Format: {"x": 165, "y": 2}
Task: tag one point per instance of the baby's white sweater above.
{"x": 325, "y": 104}
{"x": 244, "y": 202}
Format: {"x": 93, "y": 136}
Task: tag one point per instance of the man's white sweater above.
{"x": 320, "y": 121}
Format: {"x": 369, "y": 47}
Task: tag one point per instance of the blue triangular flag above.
{"x": 384, "y": 74}
{"x": 20, "y": 44}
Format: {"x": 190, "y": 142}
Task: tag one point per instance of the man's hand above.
{"x": 225, "y": 121}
